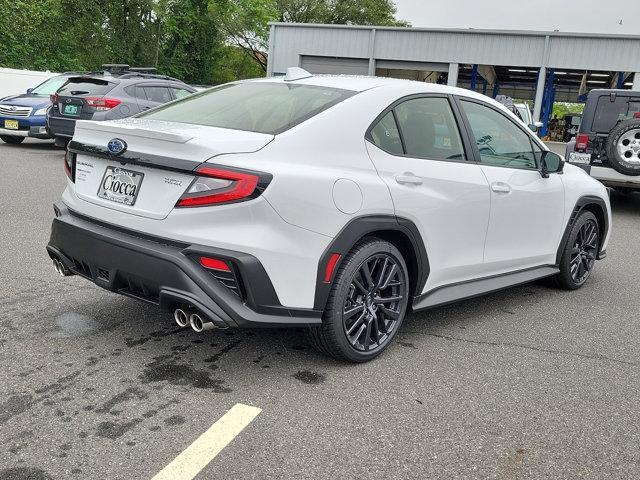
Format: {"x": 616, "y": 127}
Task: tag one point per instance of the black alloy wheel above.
{"x": 367, "y": 303}
{"x": 584, "y": 251}
{"x": 373, "y": 305}
{"x": 580, "y": 252}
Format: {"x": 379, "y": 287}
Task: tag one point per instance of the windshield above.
{"x": 263, "y": 107}
{"x": 49, "y": 86}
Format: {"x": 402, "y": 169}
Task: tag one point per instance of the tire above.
{"x": 579, "y": 254}
{"x": 623, "y": 147}
{"x": 373, "y": 323}
{"x": 11, "y": 139}
{"x": 61, "y": 142}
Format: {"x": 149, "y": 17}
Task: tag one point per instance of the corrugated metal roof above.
{"x": 289, "y": 42}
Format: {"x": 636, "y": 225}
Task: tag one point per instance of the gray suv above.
{"x": 115, "y": 93}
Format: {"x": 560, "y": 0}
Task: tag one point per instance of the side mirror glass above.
{"x": 533, "y": 127}
{"x": 551, "y": 163}
{"x": 29, "y": 90}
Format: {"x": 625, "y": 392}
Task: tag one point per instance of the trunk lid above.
{"x": 156, "y": 165}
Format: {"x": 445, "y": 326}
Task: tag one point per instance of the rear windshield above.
{"x": 81, "y": 86}
{"x": 608, "y": 112}
{"x": 263, "y": 107}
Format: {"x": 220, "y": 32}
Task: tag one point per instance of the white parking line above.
{"x": 197, "y": 455}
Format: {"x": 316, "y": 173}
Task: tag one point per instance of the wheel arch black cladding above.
{"x": 400, "y": 232}
{"x": 598, "y": 207}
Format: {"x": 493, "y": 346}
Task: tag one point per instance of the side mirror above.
{"x": 551, "y": 163}
{"x": 29, "y": 90}
{"x": 533, "y": 127}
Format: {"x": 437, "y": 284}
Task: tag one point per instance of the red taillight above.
{"x": 331, "y": 266}
{"x": 215, "y": 185}
{"x": 102, "y": 104}
{"x": 582, "y": 141}
{"x": 636, "y": 115}
{"x": 69, "y": 168}
{"x": 215, "y": 264}
{"x": 54, "y": 98}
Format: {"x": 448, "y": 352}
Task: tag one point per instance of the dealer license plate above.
{"x": 120, "y": 185}
{"x": 11, "y": 124}
{"x": 576, "y": 157}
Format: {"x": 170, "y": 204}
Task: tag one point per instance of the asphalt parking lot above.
{"x": 527, "y": 383}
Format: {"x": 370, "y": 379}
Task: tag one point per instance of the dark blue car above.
{"x": 23, "y": 115}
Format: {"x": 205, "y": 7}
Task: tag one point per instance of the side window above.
{"x": 157, "y": 94}
{"x": 386, "y": 136}
{"x": 429, "y": 129}
{"x": 500, "y": 141}
{"x": 180, "y": 92}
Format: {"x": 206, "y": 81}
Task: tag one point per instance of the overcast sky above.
{"x": 590, "y": 16}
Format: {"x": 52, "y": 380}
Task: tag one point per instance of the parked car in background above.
{"x": 607, "y": 145}
{"x": 336, "y": 203}
{"x": 524, "y": 112}
{"x": 520, "y": 110}
{"x": 118, "y": 92}
{"x": 24, "y": 115}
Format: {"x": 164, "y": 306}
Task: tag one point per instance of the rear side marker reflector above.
{"x": 215, "y": 264}
{"x": 331, "y": 266}
{"x": 217, "y": 185}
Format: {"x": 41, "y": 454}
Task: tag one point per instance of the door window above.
{"x": 180, "y": 92}
{"x": 386, "y": 136}
{"x": 157, "y": 94}
{"x": 500, "y": 141}
{"x": 429, "y": 129}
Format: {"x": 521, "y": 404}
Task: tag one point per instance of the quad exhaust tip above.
{"x": 200, "y": 325}
{"x": 60, "y": 268}
{"x": 181, "y": 317}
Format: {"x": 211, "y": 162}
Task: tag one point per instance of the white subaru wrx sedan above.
{"x": 331, "y": 202}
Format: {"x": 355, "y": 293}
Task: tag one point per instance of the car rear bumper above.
{"x": 61, "y": 127}
{"x": 35, "y": 132}
{"x": 168, "y": 274}
{"x": 612, "y": 178}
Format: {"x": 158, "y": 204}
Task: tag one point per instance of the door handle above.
{"x": 500, "y": 187}
{"x": 408, "y": 178}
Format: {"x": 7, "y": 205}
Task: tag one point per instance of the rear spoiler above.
{"x": 131, "y": 129}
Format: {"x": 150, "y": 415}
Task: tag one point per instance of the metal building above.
{"x": 539, "y": 66}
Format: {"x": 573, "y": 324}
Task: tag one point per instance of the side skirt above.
{"x": 474, "y": 288}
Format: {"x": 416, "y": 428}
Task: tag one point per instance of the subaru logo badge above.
{"x": 116, "y": 146}
{"x": 13, "y": 108}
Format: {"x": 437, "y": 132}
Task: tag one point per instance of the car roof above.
{"x": 359, "y": 83}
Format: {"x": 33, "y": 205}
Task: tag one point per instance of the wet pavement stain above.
{"x": 180, "y": 374}
{"x": 226, "y": 349}
{"x": 134, "y": 342}
{"x": 174, "y": 420}
{"x": 312, "y": 378}
{"x": 115, "y": 430}
{"x": 15, "y": 405}
{"x": 24, "y": 473}
{"x": 124, "y": 396}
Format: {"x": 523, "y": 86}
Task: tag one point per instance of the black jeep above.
{"x": 607, "y": 145}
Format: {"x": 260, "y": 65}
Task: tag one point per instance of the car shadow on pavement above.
{"x": 35, "y": 145}
{"x": 625, "y": 203}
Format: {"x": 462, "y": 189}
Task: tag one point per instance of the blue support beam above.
{"x": 496, "y": 90}
{"x": 547, "y": 102}
{"x": 474, "y": 77}
{"x": 620, "y": 83}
